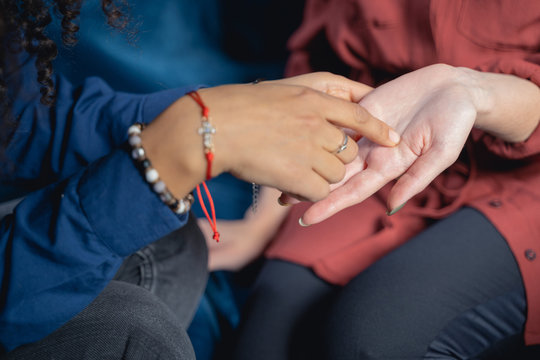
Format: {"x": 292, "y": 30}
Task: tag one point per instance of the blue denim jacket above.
{"x": 88, "y": 206}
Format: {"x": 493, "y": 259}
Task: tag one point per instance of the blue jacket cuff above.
{"x": 122, "y": 209}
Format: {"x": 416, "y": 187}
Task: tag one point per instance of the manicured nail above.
{"x": 282, "y": 203}
{"x": 301, "y": 222}
{"x": 394, "y": 136}
{"x": 392, "y": 212}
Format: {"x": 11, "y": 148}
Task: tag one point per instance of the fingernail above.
{"x": 282, "y": 203}
{"x": 394, "y": 136}
{"x": 392, "y": 212}
{"x": 301, "y": 222}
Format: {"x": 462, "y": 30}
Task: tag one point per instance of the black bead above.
{"x": 173, "y": 205}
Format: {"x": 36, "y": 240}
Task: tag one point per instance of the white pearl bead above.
{"x": 137, "y": 153}
{"x": 166, "y": 197}
{"x": 134, "y": 140}
{"x": 182, "y": 208}
{"x": 159, "y": 187}
{"x": 134, "y": 130}
{"x": 151, "y": 175}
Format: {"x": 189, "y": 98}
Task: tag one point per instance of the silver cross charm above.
{"x": 207, "y": 130}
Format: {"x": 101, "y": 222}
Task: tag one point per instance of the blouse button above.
{"x": 530, "y": 254}
{"x": 495, "y": 203}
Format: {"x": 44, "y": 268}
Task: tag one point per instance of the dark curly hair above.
{"x": 23, "y": 28}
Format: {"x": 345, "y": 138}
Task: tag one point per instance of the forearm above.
{"x": 508, "y": 106}
{"x": 173, "y": 146}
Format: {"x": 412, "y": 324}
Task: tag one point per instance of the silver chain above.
{"x": 254, "y": 196}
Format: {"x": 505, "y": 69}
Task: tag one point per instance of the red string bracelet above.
{"x": 206, "y": 131}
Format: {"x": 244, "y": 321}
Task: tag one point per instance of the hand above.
{"x": 331, "y": 84}
{"x": 277, "y": 133}
{"x": 434, "y": 111}
{"x": 242, "y": 241}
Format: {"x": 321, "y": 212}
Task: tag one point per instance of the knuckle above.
{"x": 306, "y": 93}
{"x": 338, "y": 78}
{"x": 339, "y": 174}
{"x": 325, "y": 74}
{"x": 350, "y": 152}
{"x": 361, "y": 115}
{"x": 322, "y": 192}
{"x": 316, "y": 188}
{"x": 353, "y": 150}
{"x": 313, "y": 188}
{"x": 335, "y": 171}
{"x": 310, "y": 123}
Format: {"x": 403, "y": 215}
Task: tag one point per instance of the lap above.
{"x": 453, "y": 291}
{"x": 287, "y": 302}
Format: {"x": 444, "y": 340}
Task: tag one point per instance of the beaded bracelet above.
{"x": 151, "y": 175}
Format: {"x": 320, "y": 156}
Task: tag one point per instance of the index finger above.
{"x": 355, "y": 117}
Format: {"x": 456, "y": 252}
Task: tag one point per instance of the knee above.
{"x": 136, "y": 323}
{"x": 348, "y": 340}
{"x": 364, "y": 325}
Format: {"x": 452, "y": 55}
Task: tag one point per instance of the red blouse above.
{"x": 374, "y": 41}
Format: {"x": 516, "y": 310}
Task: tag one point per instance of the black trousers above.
{"x": 452, "y": 292}
{"x": 143, "y": 313}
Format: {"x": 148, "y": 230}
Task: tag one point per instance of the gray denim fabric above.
{"x": 173, "y": 268}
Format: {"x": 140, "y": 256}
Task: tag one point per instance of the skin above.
{"x": 434, "y": 109}
{"x": 242, "y": 241}
{"x": 279, "y": 133}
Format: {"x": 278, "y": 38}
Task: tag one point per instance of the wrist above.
{"x": 151, "y": 174}
{"x": 507, "y": 106}
{"x": 176, "y": 149}
{"x": 481, "y": 95}
{"x": 219, "y": 101}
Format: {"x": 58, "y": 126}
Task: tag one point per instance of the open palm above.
{"x": 434, "y": 114}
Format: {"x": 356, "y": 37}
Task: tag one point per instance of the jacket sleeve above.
{"x": 86, "y": 123}
{"x": 64, "y": 241}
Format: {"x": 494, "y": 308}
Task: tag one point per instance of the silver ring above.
{"x": 343, "y": 145}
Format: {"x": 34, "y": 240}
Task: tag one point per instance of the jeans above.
{"x": 143, "y": 312}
